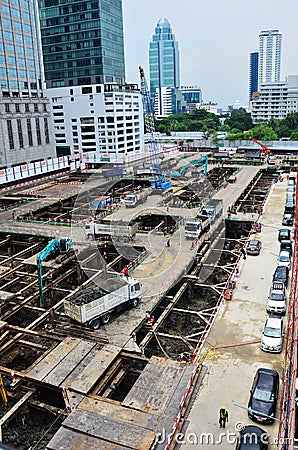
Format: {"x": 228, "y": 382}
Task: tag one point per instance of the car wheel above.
{"x": 134, "y": 302}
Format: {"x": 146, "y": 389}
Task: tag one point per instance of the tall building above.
{"x": 269, "y": 56}
{"x": 253, "y": 73}
{"x": 82, "y": 42}
{"x": 93, "y": 109}
{"x": 25, "y": 127}
{"x": 163, "y": 59}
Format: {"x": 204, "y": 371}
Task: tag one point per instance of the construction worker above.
{"x": 168, "y": 241}
{"x": 223, "y": 417}
{"x": 125, "y": 271}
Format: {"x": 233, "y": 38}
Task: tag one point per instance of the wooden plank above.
{"x": 57, "y": 376}
{"x": 47, "y": 364}
{"x": 148, "y": 393}
{"x": 78, "y": 370}
{"x": 66, "y": 439}
{"x": 108, "y": 408}
{"x": 95, "y": 369}
{"x": 110, "y": 430}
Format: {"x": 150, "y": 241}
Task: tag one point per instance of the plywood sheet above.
{"x": 52, "y": 359}
{"x": 60, "y": 372}
{"x": 95, "y": 369}
{"x": 106, "y": 408}
{"x": 110, "y": 430}
{"x": 66, "y": 439}
{"x": 155, "y": 386}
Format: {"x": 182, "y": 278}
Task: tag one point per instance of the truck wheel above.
{"x": 134, "y": 302}
{"x": 95, "y": 324}
{"x": 105, "y": 319}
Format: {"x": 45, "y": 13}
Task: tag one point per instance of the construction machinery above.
{"x": 202, "y": 162}
{"x": 94, "y": 306}
{"x": 264, "y": 150}
{"x": 160, "y": 180}
{"x": 56, "y": 247}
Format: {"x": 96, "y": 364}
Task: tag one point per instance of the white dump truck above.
{"x": 94, "y": 306}
{"x": 115, "y": 229}
{"x": 135, "y": 198}
{"x": 214, "y": 208}
{"x": 194, "y": 228}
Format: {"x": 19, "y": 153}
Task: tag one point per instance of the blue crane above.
{"x": 160, "y": 180}
{"x": 61, "y": 245}
{"x": 181, "y": 171}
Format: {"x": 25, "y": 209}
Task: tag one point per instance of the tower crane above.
{"x": 160, "y": 180}
{"x": 265, "y": 149}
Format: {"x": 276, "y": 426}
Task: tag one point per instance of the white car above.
{"x": 284, "y": 259}
{"x": 272, "y": 336}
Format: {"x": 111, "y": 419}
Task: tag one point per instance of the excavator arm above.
{"x": 265, "y": 149}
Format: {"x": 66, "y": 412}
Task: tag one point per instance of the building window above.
{"x": 46, "y": 130}
{"x": 29, "y": 128}
{"x": 38, "y": 135}
{"x": 17, "y": 108}
{"x": 10, "y": 135}
{"x": 35, "y": 107}
{"x": 7, "y": 109}
{"x": 20, "y": 133}
{"x": 45, "y": 107}
{"x": 87, "y": 90}
{"x": 26, "y": 107}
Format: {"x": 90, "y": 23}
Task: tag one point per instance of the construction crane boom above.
{"x": 265, "y": 149}
{"x": 160, "y": 181}
{"x": 61, "y": 245}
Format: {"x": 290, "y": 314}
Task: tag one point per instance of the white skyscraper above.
{"x": 269, "y": 56}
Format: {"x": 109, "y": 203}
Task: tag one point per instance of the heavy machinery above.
{"x": 264, "y": 150}
{"x": 160, "y": 180}
{"x": 117, "y": 229}
{"x": 135, "y": 198}
{"x": 57, "y": 246}
{"x": 181, "y": 171}
{"x": 94, "y": 306}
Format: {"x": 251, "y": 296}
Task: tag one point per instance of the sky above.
{"x": 215, "y": 38}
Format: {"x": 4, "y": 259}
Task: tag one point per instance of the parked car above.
{"x": 281, "y": 274}
{"x": 284, "y": 235}
{"x": 292, "y": 181}
{"x": 272, "y": 335}
{"x": 277, "y": 300}
{"x": 263, "y": 396}
{"x": 288, "y": 219}
{"x": 253, "y": 247}
{"x": 286, "y": 245}
{"x": 284, "y": 259}
{"x": 252, "y": 438}
{"x": 291, "y": 188}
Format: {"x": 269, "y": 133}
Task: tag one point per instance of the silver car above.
{"x": 272, "y": 336}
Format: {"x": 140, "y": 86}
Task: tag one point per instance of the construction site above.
{"x": 70, "y": 380}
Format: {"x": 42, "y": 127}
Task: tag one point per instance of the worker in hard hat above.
{"x": 223, "y": 417}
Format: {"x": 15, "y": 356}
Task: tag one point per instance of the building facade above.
{"x": 101, "y": 119}
{"x": 169, "y": 101}
{"x": 25, "y": 120}
{"x": 82, "y": 42}
{"x": 253, "y": 73}
{"x": 269, "y": 56}
{"x": 163, "y": 60}
{"x": 275, "y": 100}
{"x": 94, "y": 110}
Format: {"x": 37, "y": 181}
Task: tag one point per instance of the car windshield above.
{"x": 272, "y": 332}
{"x": 284, "y": 258}
{"x": 264, "y": 396}
{"x": 276, "y": 296}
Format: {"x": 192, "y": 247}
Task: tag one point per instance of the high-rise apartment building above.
{"x": 25, "y": 128}
{"x": 93, "y": 109}
{"x": 253, "y": 73}
{"x": 269, "y": 56}
{"x": 163, "y": 60}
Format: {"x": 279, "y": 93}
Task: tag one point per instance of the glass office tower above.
{"x": 25, "y": 131}
{"x": 163, "y": 58}
{"x": 253, "y": 73}
{"x": 82, "y": 42}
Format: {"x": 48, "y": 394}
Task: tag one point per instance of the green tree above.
{"x": 239, "y": 119}
{"x": 261, "y": 132}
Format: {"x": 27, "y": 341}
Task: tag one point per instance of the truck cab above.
{"x": 193, "y": 228}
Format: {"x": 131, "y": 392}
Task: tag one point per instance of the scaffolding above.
{"x": 287, "y": 426}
